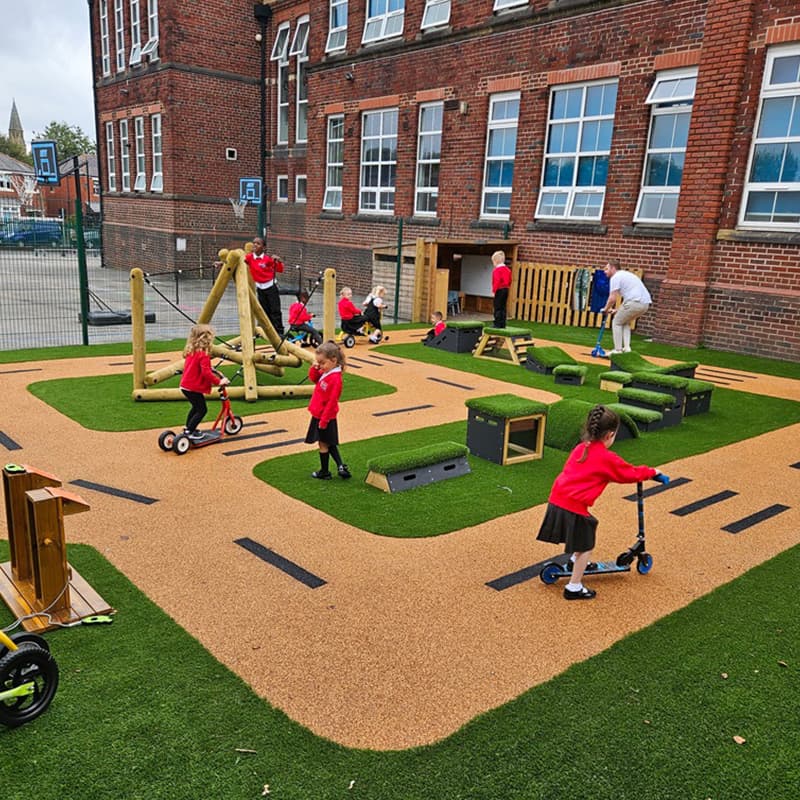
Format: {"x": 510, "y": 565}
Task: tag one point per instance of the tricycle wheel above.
{"x": 644, "y": 564}
{"x": 233, "y": 425}
{"x": 181, "y": 444}
{"x": 165, "y": 440}
{"x": 349, "y": 341}
{"x": 30, "y": 664}
{"x": 550, "y": 573}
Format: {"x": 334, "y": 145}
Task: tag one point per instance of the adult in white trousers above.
{"x": 625, "y": 286}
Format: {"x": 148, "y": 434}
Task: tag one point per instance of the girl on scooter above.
{"x": 198, "y": 377}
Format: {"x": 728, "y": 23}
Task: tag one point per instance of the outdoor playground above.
{"x": 280, "y": 636}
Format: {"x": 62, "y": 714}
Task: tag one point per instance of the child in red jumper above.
{"x": 326, "y": 375}
{"x": 198, "y": 376}
{"x": 501, "y": 283}
{"x": 437, "y": 320}
{"x": 591, "y": 466}
{"x": 352, "y": 318}
{"x": 264, "y": 270}
{"x": 300, "y": 320}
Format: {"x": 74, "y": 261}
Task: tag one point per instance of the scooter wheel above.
{"x": 550, "y": 573}
{"x": 29, "y": 664}
{"x": 233, "y": 425}
{"x": 181, "y": 444}
{"x": 625, "y": 559}
{"x": 349, "y": 341}
{"x": 165, "y": 440}
{"x": 644, "y": 564}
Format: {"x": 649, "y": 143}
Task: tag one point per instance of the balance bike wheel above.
{"x": 30, "y": 664}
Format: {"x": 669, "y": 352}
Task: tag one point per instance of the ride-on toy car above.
{"x": 226, "y": 424}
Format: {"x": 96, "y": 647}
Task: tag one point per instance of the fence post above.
{"x": 83, "y": 278}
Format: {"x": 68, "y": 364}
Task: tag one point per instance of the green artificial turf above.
{"x": 424, "y": 456}
{"x": 143, "y": 712}
{"x": 77, "y": 398}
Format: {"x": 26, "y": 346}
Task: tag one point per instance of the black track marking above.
{"x": 748, "y": 522}
{"x": 386, "y": 358}
{"x": 262, "y": 447}
{"x": 674, "y": 483}
{"x": 15, "y": 371}
{"x": 450, "y": 383}
{"x": 289, "y": 567}
{"x": 401, "y": 410}
{"x": 99, "y": 487}
{"x": 521, "y": 575}
{"x": 704, "y": 503}
{"x": 9, "y": 443}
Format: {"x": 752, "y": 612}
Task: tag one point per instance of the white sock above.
{"x": 572, "y": 558}
{"x": 574, "y": 587}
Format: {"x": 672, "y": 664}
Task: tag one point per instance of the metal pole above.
{"x": 262, "y": 222}
{"x": 83, "y": 277}
{"x": 397, "y": 271}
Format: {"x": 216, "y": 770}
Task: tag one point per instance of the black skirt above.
{"x": 574, "y": 531}
{"x": 328, "y": 435}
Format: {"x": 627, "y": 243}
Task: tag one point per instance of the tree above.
{"x": 70, "y": 140}
{"x": 14, "y": 150}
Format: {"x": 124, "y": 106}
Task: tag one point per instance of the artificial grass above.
{"x": 77, "y": 398}
{"x": 506, "y": 406}
{"x": 418, "y": 458}
{"x": 143, "y": 712}
{"x": 549, "y": 356}
{"x": 451, "y": 505}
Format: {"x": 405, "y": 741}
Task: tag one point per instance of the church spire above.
{"x": 15, "y": 132}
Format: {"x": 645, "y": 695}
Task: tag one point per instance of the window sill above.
{"x": 649, "y": 231}
{"x": 383, "y": 219}
{"x": 767, "y": 237}
{"x": 331, "y": 215}
{"x": 492, "y": 224}
{"x": 590, "y": 228}
{"x": 430, "y": 222}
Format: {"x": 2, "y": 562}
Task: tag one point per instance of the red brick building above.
{"x": 665, "y": 134}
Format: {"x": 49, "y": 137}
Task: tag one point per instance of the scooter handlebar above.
{"x": 661, "y": 478}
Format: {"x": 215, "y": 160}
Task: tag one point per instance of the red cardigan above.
{"x": 501, "y": 277}
{"x": 582, "y": 482}
{"x": 347, "y": 310}
{"x": 197, "y": 373}
{"x": 324, "y": 403}
{"x": 263, "y": 267}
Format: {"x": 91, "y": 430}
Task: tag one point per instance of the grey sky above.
{"x": 45, "y": 64}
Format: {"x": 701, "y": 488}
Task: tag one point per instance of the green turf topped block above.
{"x": 635, "y": 413}
{"x": 417, "y": 458}
{"x": 695, "y": 386}
{"x": 577, "y": 370}
{"x": 464, "y": 324}
{"x": 633, "y": 362}
{"x": 616, "y": 376}
{"x": 507, "y": 331}
{"x": 660, "y": 379}
{"x": 506, "y": 406}
{"x": 645, "y": 396}
{"x": 565, "y": 420}
{"x": 549, "y": 356}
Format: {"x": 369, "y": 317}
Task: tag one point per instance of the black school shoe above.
{"x": 344, "y": 472}
{"x": 581, "y": 594}
{"x": 323, "y": 476}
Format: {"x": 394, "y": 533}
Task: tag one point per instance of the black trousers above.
{"x": 500, "y": 301}
{"x": 353, "y": 324}
{"x": 270, "y": 301}
{"x": 197, "y": 411}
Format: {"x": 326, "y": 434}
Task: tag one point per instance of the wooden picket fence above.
{"x": 551, "y": 293}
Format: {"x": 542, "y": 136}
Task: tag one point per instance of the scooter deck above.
{"x": 208, "y": 438}
{"x": 602, "y": 567}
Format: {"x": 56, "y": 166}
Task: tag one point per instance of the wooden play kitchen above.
{"x": 38, "y": 580}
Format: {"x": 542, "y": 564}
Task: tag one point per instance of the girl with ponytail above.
{"x": 591, "y": 466}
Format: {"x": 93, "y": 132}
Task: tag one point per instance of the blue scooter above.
{"x": 552, "y": 571}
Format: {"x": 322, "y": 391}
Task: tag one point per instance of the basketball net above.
{"x": 238, "y": 209}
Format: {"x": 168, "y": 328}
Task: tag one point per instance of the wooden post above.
{"x": 329, "y": 305}
{"x": 137, "y": 328}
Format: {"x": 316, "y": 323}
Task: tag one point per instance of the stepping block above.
{"x": 545, "y": 359}
{"x": 506, "y": 429}
{"x": 633, "y": 362}
{"x": 698, "y": 397}
{"x": 458, "y": 337}
{"x": 574, "y": 374}
{"x": 653, "y": 401}
{"x": 661, "y": 382}
{"x": 497, "y": 341}
{"x": 398, "y": 472}
{"x": 613, "y": 381}
{"x": 645, "y": 419}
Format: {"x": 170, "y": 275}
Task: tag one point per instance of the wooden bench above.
{"x": 497, "y": 341}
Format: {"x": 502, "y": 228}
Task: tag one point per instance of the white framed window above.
{"x": 384, "y": 19}
{"x": 5, "y": 182}
{"x": 280, "y": 53}
{"x": 501, "y": 148}
{"x": 136, "y": 35}
{"x": 337, "y": 26}
{"x": 119, "y": 34}
{"x": 771, "y": 196}
{"x": 282, "y": 195}
{"x": 280, "y": 48}
{"x": 105, "y": 51}
{"x": 579, "y": 130}
{"x": 150, "y": 48}
{"x": 671, "y": 101}
{"x": 157, "y": 181}
{"x": 429, "y": 155}
{"x": 299, "y": 48}
{"x": 437, "y": 12}
{"x": 499, "y": 5}
{"x": 111, "y": 162}
{"x": 140, "y": 185}
{"x": 124, "y": 155}
{"x": 300, "y": 188}
{"x": 335, "y": 164}
{"x": 378, "y": 161}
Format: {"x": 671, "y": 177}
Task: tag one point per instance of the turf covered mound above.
{"x": 565, "y": 421}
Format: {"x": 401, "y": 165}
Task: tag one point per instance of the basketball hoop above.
{"x": 238, "y": 208}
